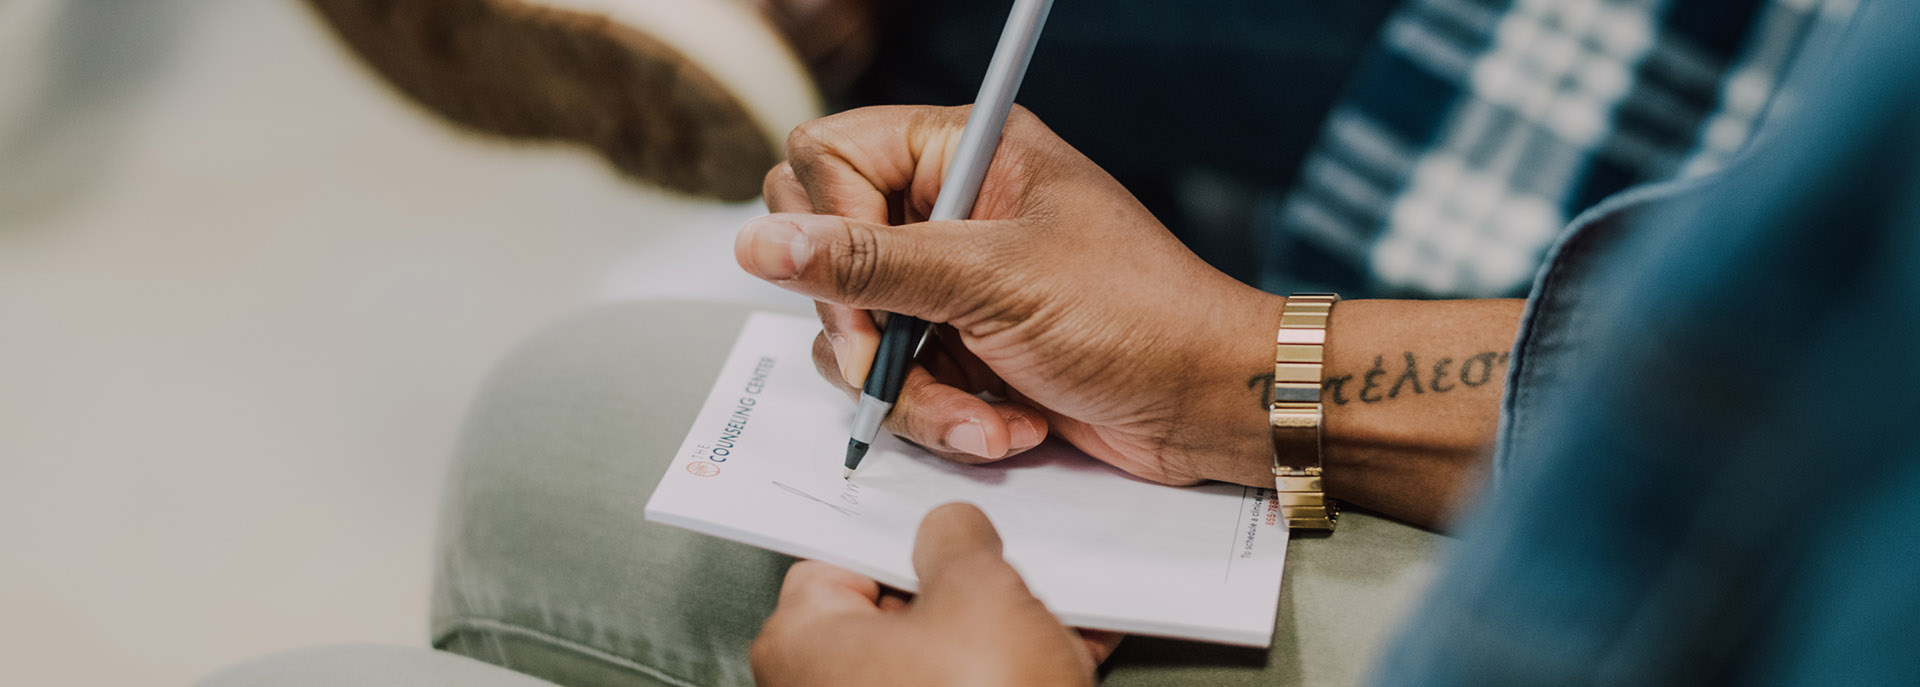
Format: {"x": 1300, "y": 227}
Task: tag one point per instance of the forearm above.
{"x": 1411, "y": 396}
{"x": 1412, "y": 399}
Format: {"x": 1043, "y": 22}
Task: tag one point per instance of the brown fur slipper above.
{"x": 693, "y": 95}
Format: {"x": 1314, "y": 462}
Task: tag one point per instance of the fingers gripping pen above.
{"x": 905, "y": 335}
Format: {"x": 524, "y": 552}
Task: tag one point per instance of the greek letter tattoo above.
{"x": 1338, "y": 385}
{"x": 1412, "y": 374}
{"x": 1445, "y": 375}
{"x": 1265, "y": 382}
{"x": 1440, "y": 375}
{"x": 1370, "y": 382}
{"x": 1485, "y": 361}
{"x": 1472, "y": 372}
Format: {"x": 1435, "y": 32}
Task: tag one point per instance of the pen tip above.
{"x": 856, "y": 450}
{"x": 846, "y": 473}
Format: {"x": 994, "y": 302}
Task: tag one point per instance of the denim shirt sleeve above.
{"x": 1569, "y": 301}
{"x": 1709, "y": 460}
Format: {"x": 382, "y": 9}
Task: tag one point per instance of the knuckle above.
{"x": 953, "y": 116}
{"x": 1024, "y": 124}
{"x": 917, "y": 407}
{"x": 775, "y": 177}
{"x": 1021, "y": 116}
{"x": 858, "y": 258}
{"x": 805, "y": 137}
{"x": 903, "y": 424}
{"x": 817, "y": 139}
{"x": 804, "y": 160}
{"x": 808, "y": 153}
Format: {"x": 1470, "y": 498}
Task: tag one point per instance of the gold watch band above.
{"x": 1296, "y": 414}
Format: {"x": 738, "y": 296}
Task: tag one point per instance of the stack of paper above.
{"x": 1103, "y": 550}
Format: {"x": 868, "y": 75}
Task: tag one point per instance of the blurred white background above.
{"x": 245, "y": 294}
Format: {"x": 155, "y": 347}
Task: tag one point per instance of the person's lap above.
{"x": 545, "y": 563}
{"x": 365, "y": 665}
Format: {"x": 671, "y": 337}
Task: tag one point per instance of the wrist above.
{"x": 1245, "y": 453}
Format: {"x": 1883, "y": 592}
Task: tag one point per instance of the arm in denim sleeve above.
{"x": 1721, "y": 486}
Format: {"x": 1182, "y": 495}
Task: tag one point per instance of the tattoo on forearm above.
{"x": 1265, "y": 384}
{"x": 1440, "y": 375}
{"x": 1415, "y": 378}
{"x": 1370, "y": 382}
{"x": 1337, "y": 385}
{"x": 1379, "y": 384}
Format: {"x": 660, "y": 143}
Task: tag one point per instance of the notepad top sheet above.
{"x": 1104, "y": 550}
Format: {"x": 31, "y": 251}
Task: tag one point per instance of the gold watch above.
{"x": 1296, "y": 414}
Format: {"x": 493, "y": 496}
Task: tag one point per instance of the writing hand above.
{"x": 1062, "y": 295}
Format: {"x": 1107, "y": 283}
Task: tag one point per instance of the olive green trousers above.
{"x": 546, "y": 567}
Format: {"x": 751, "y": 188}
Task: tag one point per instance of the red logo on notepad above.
{"x": 703, "y": 469}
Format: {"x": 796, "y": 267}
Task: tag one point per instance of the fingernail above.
{"x": 778, "y": 249}
{"x": 969, "y": 437}
{"x": 1021, "y": 434}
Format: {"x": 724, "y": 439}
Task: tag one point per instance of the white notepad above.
{"x": 1103, "y": 550}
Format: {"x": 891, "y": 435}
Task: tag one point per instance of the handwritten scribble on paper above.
{"x": 810, "y": 497}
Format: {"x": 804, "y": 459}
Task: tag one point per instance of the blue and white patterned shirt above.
{"x": 1476, "y": 129}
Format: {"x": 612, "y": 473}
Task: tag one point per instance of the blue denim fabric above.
{"x": 1709, "y": 466}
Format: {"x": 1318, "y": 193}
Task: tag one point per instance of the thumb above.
{"x": 910, "y": 269}
{"x": 968, "y": 589}
{"x": 958, "y": 551}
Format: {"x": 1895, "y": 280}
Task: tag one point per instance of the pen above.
{"x": 904, "y": 335}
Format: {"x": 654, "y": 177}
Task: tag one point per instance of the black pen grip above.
{"x": 890, "y": 363}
